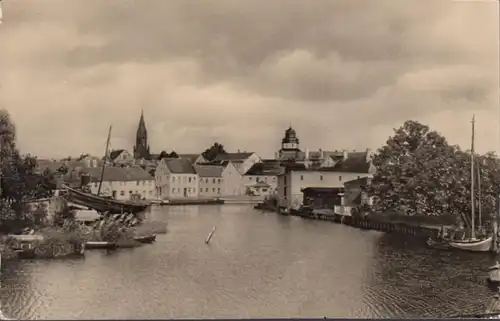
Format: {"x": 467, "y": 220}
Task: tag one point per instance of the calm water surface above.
{"x": 257, "y": 265}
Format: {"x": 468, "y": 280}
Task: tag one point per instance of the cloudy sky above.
{"x": 342, "y": 72}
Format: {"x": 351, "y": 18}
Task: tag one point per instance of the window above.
{"x": 122, "y": 193}
{"x": 189, "y": 179}
{"x": 206, "y": 189}
{"x": 218, "y": 190}
{"x": 301, "y": 177}
{"x": 274, "y": 178}
{"x": 189, "y": 189}
{"x": 173, "y": 190}
{"x": 264, "y": 189}
{"x": 359, "y": 177}
{"x": 201, "y": 190}
{"x": 218, "y": 181}
{"x": 137, "y": 183}
{"x": 130, "y": 192}
{"x": 194, "y": 178}
{"x": 173, "y": 178}
{"x": 340, "y": 178}
{"x": 321, "y": 177}
{"x": 213, "y": 180}
{"x": 213, "y": 189}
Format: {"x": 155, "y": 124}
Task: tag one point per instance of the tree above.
{"x": 19, "y": 181}
{"x": 213, "y": 151}
{"x": 164, "y": 154}
{"x": 419, "y": 173}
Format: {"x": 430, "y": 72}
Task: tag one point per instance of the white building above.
{"x": 176, "y": 178}
{"x": 121, "y": 157}
{"x": 299, "y": 176}
{"x": 211, "y": 182}
{"x": 262, "y": 178}
{"x": 241, "y": 161}
{"x": 122, "y": 183}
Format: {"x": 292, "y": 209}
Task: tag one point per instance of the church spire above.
{"x": 141, "y": 148}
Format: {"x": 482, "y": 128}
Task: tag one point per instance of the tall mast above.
{"x": 104, "y": 163}
{"x": 473, "y": 205}
{"x": 479, "y": 203}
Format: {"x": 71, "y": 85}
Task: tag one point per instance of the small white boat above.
{"x": 473, "y": 245}
{"x": 494, "y": 273}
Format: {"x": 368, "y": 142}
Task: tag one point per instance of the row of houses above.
{"x": 191, "y": 176}
{"x": 181, "y": 178}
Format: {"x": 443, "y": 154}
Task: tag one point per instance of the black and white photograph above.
{"x": 249, "y": 159}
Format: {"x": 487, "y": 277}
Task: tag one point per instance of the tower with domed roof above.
{"x": 289, "y": 145}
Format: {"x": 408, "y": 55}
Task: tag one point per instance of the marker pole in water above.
{"x": 210, "y": 236}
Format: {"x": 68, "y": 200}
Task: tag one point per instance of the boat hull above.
{"x": 481, "y": 245}
{"x": 146, "y": 239}
{"x": 100, "y": 246}
{"x": 102, "y": 204}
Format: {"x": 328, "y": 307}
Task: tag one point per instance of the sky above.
{"x": 343, "y": 73}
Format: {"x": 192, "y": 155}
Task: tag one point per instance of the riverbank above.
{"x": 196, "y": 201}
{"x": 389, "y": 223}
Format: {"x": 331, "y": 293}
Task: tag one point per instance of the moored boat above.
{"x": 148, "y": 239}
{"x": 494, "y": 273}
{"x": 100, "y": 245}
{"x": 473, "y": 245}
{"x": 104, "y": 204}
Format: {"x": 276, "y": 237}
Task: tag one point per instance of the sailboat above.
{"x": 473, "y": 244}
{"x": 104, "y": 204}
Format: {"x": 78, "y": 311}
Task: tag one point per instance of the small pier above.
{"x": 367, "y": 223}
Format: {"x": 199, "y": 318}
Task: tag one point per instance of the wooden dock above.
{"x": 367, "y": 223}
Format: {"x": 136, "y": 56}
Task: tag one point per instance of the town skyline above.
{"x": 343, "y": 73}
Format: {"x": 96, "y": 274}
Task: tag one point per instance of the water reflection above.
{"x": 257, "y": 265}
{"x": 430, "y": 283}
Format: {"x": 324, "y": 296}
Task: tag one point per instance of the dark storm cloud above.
{"x": 222, "y": 68}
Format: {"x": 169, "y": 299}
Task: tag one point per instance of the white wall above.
{"x": 123, "y": 190}
{"x": 183, "y": 186}
{"x": 211, "y": 187}
{"x": 294, "y": 181}
{"x": 233, "y": 181}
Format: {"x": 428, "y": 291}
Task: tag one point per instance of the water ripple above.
{"x": 257, "y": 265}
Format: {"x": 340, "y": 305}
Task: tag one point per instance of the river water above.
{"x": 257, "y": 265}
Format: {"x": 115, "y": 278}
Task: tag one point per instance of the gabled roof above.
{"x": 119, "y": 174}
{"x": 115, "y": 153}
{"x": 192, "y": 157}
{"x": 209, "y": 170}
{"x": 179, "y": 165}
{"x": 234, "y": 156}
{"x": 356, "y": 162}
{"x": 265, "y": 169}
{"x": 222, "y": 163}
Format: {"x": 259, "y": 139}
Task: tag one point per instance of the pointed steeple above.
{"x": 141, "y": 148}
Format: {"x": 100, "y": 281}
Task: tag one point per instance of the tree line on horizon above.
{"x": 418, "y": 173}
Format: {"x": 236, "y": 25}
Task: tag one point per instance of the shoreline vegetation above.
{"x": 48, "y": 238}
{"x": 422, "y": 180}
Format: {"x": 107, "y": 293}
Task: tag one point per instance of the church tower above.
{"x": 141, "y": 148}
{"x": 289, "y": 145}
